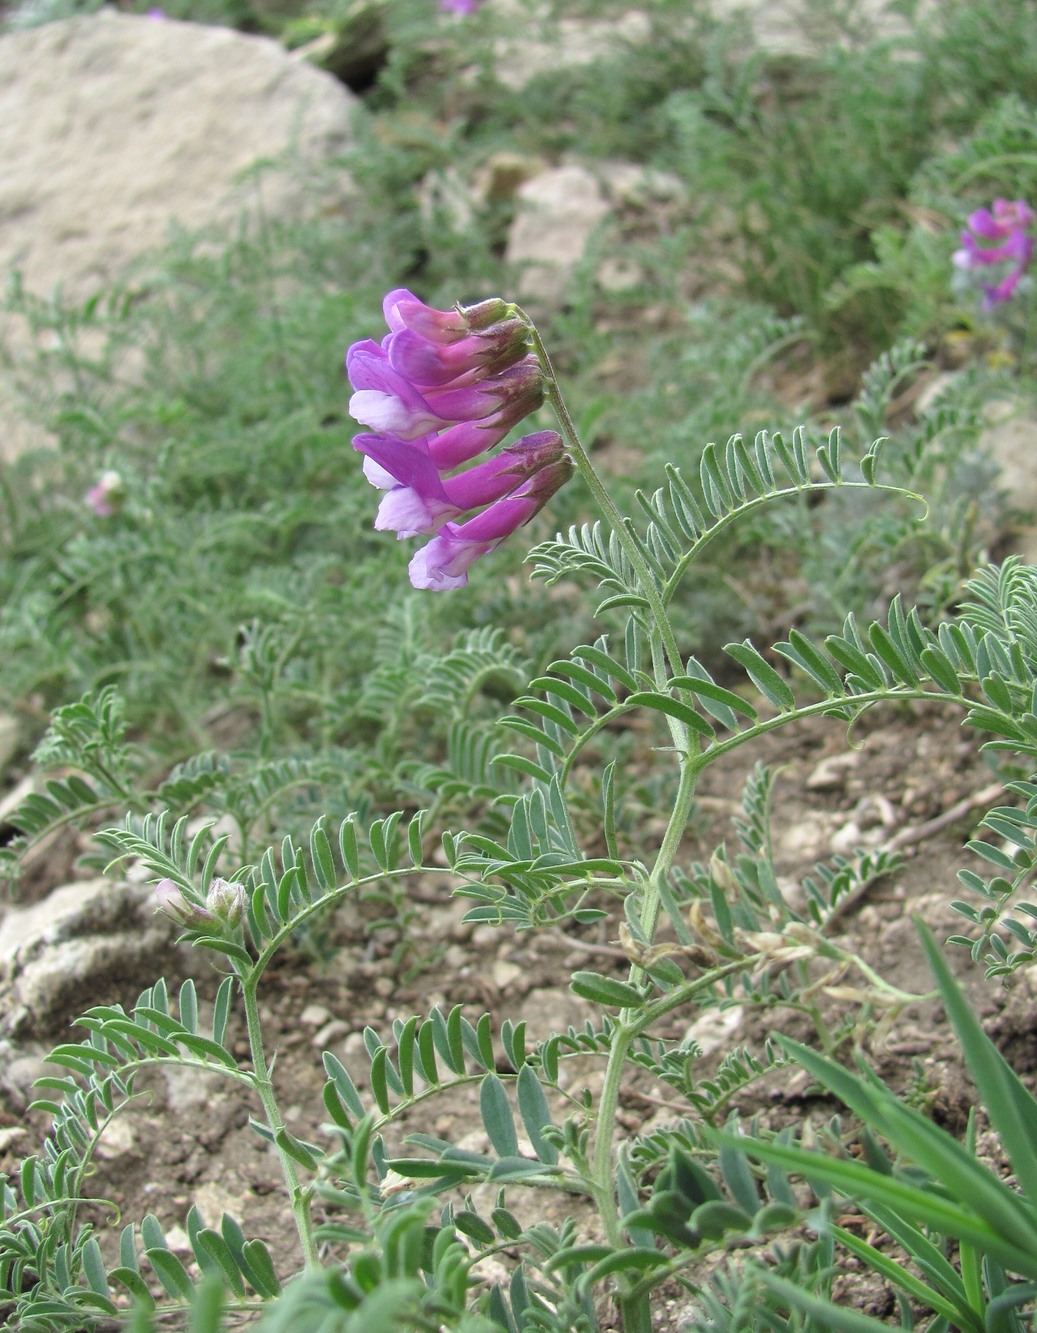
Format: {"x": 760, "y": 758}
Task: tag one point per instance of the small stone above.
{"x": 504, "y": 974}
{"x": 10, "y": 1135}
{"x": 503, "y": 174}
{"x": 188, "y": 1089}
{"x": 315, "y": 1015}
{"x": 572, "y": 42}
{"x": 830, "y": 773}
{"x": 116, "y": 1141}
{"x": 71, "y": 948}
{"x": 715, "y": 1029}
{"x": 177, "y": 1239}
{"x": 330, "y": 1032}
{"x": 847, "y": 838}
{"x": 556, "y": 214}
{"x": 353, "y": 1047}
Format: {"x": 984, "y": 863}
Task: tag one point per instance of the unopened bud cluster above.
{"x": 224, "y": 905}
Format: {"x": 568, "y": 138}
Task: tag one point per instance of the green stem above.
{"x": 263, "y": 1084}
{"x": 647, "y": 583}
{"x": 635, "y": 1311}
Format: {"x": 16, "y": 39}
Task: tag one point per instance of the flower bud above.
{"x": 226, "y": 901}
{"x": 108, "y": 496}
{"x": 184, "y": 911}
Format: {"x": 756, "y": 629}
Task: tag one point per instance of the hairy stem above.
{"x": 648, "y": 585}
{"x": 298, "y": 1196}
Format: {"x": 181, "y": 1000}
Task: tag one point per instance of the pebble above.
{"x": 315, "y": 1015}
{"x": 504, "y": 974}
{"x": 329, "y": 1033}
{"x": 831, "y": 772}
{"x": 116, "y": 1141}
{"x": 714, "y": 1030}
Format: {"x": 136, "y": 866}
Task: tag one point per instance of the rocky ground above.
{"x": 915, "y": 782}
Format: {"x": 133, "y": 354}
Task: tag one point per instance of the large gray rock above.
{"x": 559, "y": 210}
{"x": 112, "y": 126}
{"x": 84, "y": 944}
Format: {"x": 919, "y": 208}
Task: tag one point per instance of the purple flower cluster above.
{"x": 460, "y": 6}
{"x": 441, "y": 388}
{"x": 998, "y": 236}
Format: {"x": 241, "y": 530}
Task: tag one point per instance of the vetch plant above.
{"x": 395, "y": 1225}
{"x": 999, "y": 237}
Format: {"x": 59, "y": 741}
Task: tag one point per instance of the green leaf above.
{"x": 857, "y": 1181}
{"x": 516, "y": 1168}
{"x": 93, "y": 1268}
{"x": 936, "y": 1151}
{"x": 344, "y": 1085}
{"x": 600, "y": 659}
{"x": 471, "y": 1224}
{"x": 131, "y": 1279}
{"x": 577, "y": 671}
{"x": 941, "y": 670}
{"x": 806, "y": 655}
{"x": 637, "y": 1259}
{"x": 762, "y": 674}
{"x": 520, "y": 764}
{"x": 320, "y": 855}
{"x": 535, "y": 1113}
{"x": 715, "y": 1218}
{"x": 877, "y": 1262}
{"x": 887, "y": 650}
{"x": 171, "y": 1273}
{"x": 663, "y": 703}
{"x": 606, "y": 990}
{"x": 1011, "y": 1108}
{"x": 497, "y": 1118}
{"x": 349, "y": 846}
{"x": 405, "y": 1043}
{"x": 212, "y": 1245}
{"x": 714, "y": 693}
{"x": 259, "y": 1268}
{"x": 563, "y": 689}
{"x": 455, "y": 1040}
{"x": 550, "y": 712}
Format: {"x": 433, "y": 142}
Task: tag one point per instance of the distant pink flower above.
{"x": 107, "y": 496}
{"x": 1005, "y": 227}
{"x": 460, "y": 6}
{"x": 441, "y": 388}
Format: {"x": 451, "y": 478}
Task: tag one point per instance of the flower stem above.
{"x": 298, "y": 1196}
{"x": 648, "y": 585}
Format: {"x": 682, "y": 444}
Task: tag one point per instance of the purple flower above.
{"x": 444, "y": 563}
{"x": 460, "y": 6}
{"x": 441, "y": 388}
{"x": 1004, "y": 228}
{"x": 427, "y": 500}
